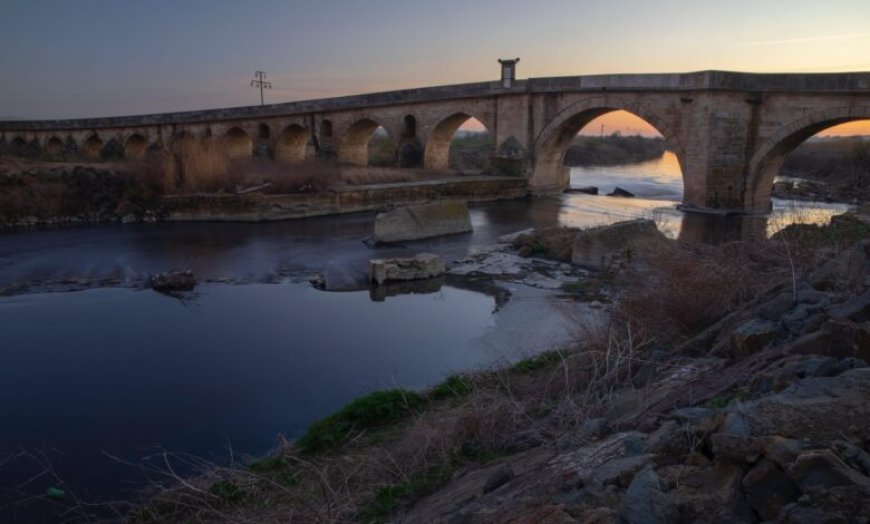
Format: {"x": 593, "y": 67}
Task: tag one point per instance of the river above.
{"x": 101, "y": 379}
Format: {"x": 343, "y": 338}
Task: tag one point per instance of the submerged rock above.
{"x": 424, "y": 265}
{"x": 173, "y": 281}
{"x": 619, "y": 192}
{"x": 423, "y": 221}
{"x": 589, "y": 190}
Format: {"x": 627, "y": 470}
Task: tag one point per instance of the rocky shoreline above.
{"x": 753, "y": 410}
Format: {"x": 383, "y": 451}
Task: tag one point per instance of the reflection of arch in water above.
{"x": 769, "y": 157}
{"x": 552, "y": 143}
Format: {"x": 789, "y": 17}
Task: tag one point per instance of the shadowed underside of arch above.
{"x": 553, "y": 141}
{"x": 292, "y": 144}
{"x": 92, "y": 146}
{"x": 53, "y": 146}
{"x": 135, "y": 146}
{"x": 437, "y": 153}
{"x": 354, "y": 146}
{"x": 769, "y": 157}
{"x": 238, "y": 143}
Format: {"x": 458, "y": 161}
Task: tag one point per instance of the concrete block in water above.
{"x": 422, "y": 221}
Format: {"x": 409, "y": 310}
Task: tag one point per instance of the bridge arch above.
{"x": 92, "y": 146}
{"x": 770, "y": 155}
{"x": 292, "y": 144}
{"x": 53, "y": 146}
{"x": 135, "y": 146}
{"x": 17, "y": 145}
{"x": 354, "y": 144}
{"x": 437, "y": 152}
{"x": 238, "y": 143}
{"x": 552, "y": 142}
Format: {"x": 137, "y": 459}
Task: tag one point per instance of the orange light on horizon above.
{"x": 624, "y": 122}
{"x": 857, "y": 128}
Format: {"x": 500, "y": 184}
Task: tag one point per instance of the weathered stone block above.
{"x": 604, "y": 246}
{"x": 423, "y": 221}
{"x": 424, "y": 265}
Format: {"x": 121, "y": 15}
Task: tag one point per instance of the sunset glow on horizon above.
{"x": 93, "y": 58}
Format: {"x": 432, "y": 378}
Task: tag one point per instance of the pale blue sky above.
{"x": 107, "y": 57}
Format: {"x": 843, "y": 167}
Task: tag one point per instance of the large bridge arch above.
{"x": 135, "y": 146}
{"x": 551, "y": 144}
{"x": 292, "y": 143}
{"x": 437, "y": 151}
{"x": 770, "y": 155}
{"x": 92, "y": 146}
{"x": 238, "y": 143}
{"x": 353, "y": 146}
{"x": 53, "y": 146}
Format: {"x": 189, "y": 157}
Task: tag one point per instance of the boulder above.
{"x": 422, "y": 221}
{"x": 753, "y": 336}
{"x": 604, "y": 246}
{"x": 768, "y": 489}
{"x": 822, "y": 468}
{"x": 646, "y": 501}
{"x": 737, "y": 448}
{"x": 815, "y": 410}
{"x": 424, "y": 265}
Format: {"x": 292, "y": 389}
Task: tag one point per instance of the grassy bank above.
{"x": 613, "y": 150}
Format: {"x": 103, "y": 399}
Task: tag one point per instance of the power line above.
{"x": 261, "y": 83}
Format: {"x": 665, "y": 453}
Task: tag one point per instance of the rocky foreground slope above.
{"x": 731, "y": 384}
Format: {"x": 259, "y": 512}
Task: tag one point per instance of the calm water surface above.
{"x": 114, "y": 370}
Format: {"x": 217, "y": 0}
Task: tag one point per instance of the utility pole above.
{"x": 261, "y": 83}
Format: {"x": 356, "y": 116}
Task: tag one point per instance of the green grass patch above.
{"x": 376, "y": 410}
{"x": 389, "y": 498}
{"x": 228, "y": 491}
{"x": 544, "y": 359}
{"x": 454, "y": 386}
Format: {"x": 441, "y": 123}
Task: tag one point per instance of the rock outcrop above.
{"x": 423, "y": 221}
{"x": 604, "y": 247}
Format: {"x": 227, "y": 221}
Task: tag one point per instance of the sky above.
{"x": 83, "y": 58}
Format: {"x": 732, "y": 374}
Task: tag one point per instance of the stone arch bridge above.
{"x": 729, "y": 131}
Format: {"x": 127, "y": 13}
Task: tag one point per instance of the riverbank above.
{"x": 50, "y": 194}
{"x": 698, "y": 399}
{"x": 612, "y": 150}
{"x": 833, "y": 169}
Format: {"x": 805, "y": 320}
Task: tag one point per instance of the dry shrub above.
{"x": 204, "y": 165}
{"x": 680, "y": 292}
{"x": 199, "y": 167}
{"x": 307, "y": 176}
{"x": 377, "y": 175}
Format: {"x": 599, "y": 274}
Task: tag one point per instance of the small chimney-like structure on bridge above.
{"x": 508, "y": 71}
